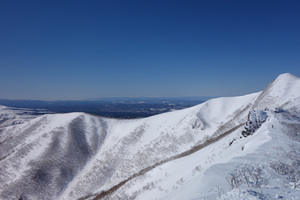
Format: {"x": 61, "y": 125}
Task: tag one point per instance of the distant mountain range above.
{"x": 124, "y": 108}
{"x": 245, "y": 147}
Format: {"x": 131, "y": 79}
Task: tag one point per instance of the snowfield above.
{"x": 244, "y": 147}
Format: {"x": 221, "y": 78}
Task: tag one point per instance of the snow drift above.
{"x": 184, "y": 154}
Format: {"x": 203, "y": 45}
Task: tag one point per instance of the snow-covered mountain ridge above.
{"x": 184, "y": 154}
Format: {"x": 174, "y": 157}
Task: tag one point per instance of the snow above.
{"x": 183, "y": 154}
{"x": 283, "y": 89}
{"x": 215, "y": 162}
{"x": 10, "y": 116}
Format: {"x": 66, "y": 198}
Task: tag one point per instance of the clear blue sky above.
{"x": 72, "y": 50}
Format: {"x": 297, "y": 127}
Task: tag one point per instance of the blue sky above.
{"x": 73, "y": 50}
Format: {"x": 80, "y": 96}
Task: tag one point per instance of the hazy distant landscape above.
{"x": 125, "y": 108}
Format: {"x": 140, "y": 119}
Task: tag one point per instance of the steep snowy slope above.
{"x": 284, "y": 89}
{"x": 264, "y": 166}
{"x": 41, "y": 156}
{"x": 172, "y": 155}
{"x": 134, "y": 147}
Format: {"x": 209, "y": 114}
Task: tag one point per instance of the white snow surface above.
{"x": 184, "y": 154}
{"x": 13, "y": 116}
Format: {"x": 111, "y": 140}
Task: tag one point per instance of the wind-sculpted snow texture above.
{"x": 172, "y": 155}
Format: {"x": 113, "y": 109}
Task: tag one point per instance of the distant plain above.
{"x": 124, "y": 108}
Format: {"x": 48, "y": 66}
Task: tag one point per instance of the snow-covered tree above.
{"x": 255, "y": 119}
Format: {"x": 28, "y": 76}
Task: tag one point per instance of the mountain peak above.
{"x": 286, "y": 77}
{"x": 281, "y": 90}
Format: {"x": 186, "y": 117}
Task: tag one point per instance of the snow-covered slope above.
{"x": 284, "y": 89}
{"x": 13, "y": 116}
{"x": 184, "y": 154}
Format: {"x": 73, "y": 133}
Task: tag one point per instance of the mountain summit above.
{"x": 283, "y": 89}
{"x": 243, "y": 147}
